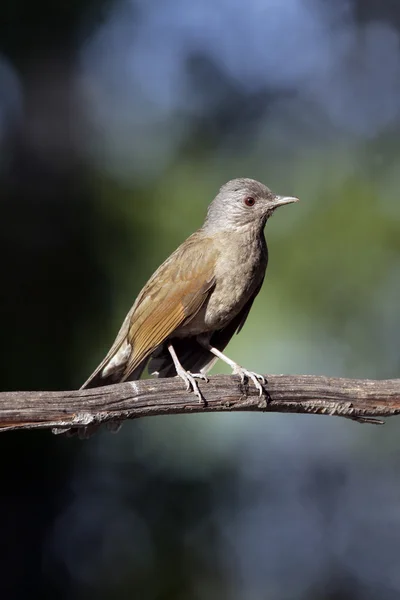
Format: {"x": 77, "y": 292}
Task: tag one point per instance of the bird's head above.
{"x": 243, "y": 203}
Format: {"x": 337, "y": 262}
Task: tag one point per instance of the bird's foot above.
{"x": 190, "y": 382}
{"x": 258, "y": 380}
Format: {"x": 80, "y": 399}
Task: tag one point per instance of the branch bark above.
{"x": 362, "y": 400}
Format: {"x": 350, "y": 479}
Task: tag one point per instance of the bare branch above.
{"x": 360, "y": 399}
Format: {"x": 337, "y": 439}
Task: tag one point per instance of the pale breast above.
{"x": 238, "y": 272}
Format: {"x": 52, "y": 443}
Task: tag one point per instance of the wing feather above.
{"x": 172, "y": 296}
{"x": 175, "y": 301}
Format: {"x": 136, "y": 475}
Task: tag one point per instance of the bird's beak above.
{"x": 282, "y": 200}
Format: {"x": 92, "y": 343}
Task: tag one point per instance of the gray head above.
{"x": 241, "y": 203}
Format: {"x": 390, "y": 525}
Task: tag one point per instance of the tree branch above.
{"x": 362, "y": 400}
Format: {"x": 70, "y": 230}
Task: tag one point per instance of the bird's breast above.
{"x": 239, "y": 271}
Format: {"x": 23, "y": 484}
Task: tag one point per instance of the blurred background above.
{"x": 119, "y": 120}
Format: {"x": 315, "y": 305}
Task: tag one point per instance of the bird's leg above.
{"x": 237, "y": 369}
{"x": 188, "y": 378}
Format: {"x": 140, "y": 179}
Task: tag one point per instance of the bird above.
{"x": 188, "y": 311}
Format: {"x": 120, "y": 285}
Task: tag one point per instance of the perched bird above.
{"x": 198, "y": 298}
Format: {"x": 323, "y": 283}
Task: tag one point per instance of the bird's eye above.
{"x": 249, "y": 201}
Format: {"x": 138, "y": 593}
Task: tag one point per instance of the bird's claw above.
{"x": 258, "y": 380}
{"x": 201, "y": 376}
{"x": 189, "y": 379}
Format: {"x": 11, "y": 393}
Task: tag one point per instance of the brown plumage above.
{"x": 198, "y": 298}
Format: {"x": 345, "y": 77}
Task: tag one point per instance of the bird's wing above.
{"x": 171, "y": 298}
{"x": 194, "y": 357}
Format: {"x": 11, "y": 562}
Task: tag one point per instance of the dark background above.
{"x": 119, "y": 120}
